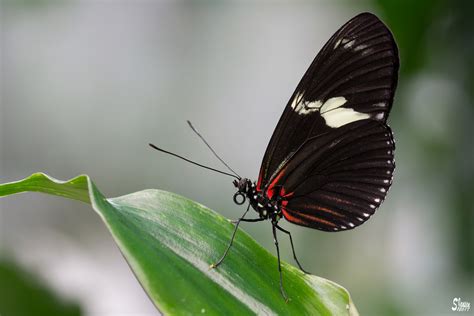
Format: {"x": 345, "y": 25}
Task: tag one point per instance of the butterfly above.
{"x": 330, "y": 160}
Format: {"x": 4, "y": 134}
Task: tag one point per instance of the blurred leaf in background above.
{"x": 23, "y": 294}
{"x": 434, "y": 115}
{"x": 438, "y": 37}
{"x": 411, "y": 22}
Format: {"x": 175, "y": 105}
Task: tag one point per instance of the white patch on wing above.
{"x": 332, "y": 104}
{"x": 303, "y": 107}
{"x": 366, "y": 51}
{"x": 359, "y": 47}
{"x": 379, "y": 116}
{"x": 331, "y": 110}
{"x": 342, "y": 116}
{"x": 298, "y": 99}
{"x": 349, "y": 44}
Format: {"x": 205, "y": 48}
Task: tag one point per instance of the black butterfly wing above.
{"x": 337, "y": 180}
{"x": 353, "y": 78}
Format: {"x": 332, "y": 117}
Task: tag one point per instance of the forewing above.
{"x": 336, "y": 181}
{"x": 352, "y": 78}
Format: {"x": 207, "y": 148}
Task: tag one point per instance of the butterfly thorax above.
{"x": 265, "y": 207}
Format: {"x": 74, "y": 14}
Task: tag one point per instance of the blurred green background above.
{"x": 85, "y": 85}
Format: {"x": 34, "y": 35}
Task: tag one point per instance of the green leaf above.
{"x": 170, "y": 241}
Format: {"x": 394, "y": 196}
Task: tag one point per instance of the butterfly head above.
{"x": 243, "y": 186}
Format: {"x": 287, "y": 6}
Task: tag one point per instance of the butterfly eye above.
{"x": 239, "y": 198}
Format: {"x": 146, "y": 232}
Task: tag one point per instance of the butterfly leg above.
{"x": 282, "y": 290}
{"x": 250, "y": 220}
{"x": 215, "y": 265}
{"x": 292, "y": 248}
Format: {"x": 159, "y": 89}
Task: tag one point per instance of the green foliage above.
{"x": 410, "y": 21}
{"x": 21, "y": 294}
{"x": 170, "y": 241}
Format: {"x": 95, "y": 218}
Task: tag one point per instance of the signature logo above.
{"x": 460, "y": 306}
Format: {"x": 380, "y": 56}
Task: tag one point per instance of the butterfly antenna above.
{"x": 215, "y": 154}
{"x": 190, "y": 161}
